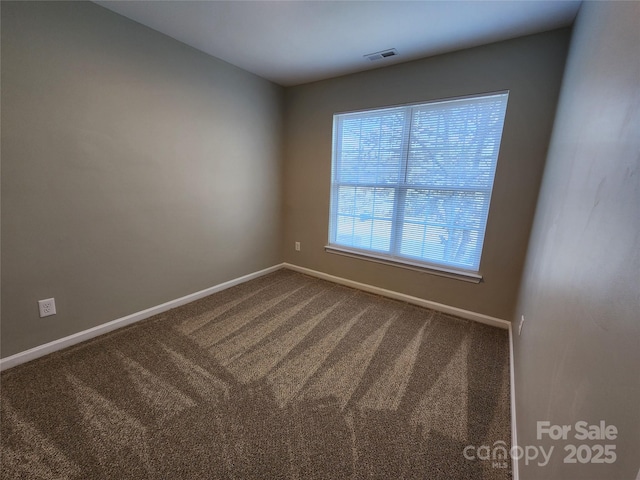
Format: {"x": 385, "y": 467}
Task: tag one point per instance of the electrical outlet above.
{"x": 297, "y": 246}
{"x": 47, "y": 307}
{"x": 521, "y": 324}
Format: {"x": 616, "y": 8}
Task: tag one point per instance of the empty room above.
{"x": 320, "y": 240}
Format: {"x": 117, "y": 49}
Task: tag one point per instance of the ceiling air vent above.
{"x": 392, "y": 52}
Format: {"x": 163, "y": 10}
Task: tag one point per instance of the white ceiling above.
{"x": 294, "y": 42}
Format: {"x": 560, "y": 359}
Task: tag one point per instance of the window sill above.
{"x": 432, "y": 269}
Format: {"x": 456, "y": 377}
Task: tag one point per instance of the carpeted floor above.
{"x": 283, "y": 377}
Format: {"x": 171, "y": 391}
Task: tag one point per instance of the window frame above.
{"x": 400, "y": 188}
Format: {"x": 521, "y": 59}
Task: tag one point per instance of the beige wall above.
{"x": 135, "y": 169}
{"x": 530, "y": 67}
{"x": 578, "y": 357}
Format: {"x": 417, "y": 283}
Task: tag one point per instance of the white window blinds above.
{"x": 413, "y": 183}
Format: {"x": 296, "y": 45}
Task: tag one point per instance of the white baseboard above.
{"x": 76, "y": 338}
{"x": 458, "y": 312}
{"x": 515, "y": 475}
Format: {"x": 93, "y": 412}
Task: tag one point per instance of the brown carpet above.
{"x": 283, "y": 377}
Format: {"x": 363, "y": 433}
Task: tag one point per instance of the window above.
{"x": 412, "y": 184}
